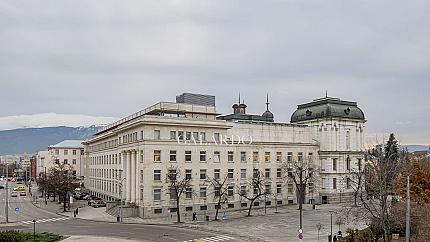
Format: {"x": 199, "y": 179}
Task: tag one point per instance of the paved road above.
{"x": 51, "y": 222}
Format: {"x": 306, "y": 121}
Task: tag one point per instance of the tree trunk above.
{"x": 178, "y": 213}
{"x": 64, "y": 202}
{"x": 216, "y": 212}
{"x": 250, "y": 207}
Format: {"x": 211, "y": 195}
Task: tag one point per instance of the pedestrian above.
{"x": 334, "y": 238}
{"x": 74, "y": 214}
{"x": 194, "y": 216}
{"x": 77, "y": 211}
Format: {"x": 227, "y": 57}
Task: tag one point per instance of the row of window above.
{"x": 216, "y": 157}
{"x": 348, "y": 164}
{"x": 66, "y": 161}
{"x": 66, "y": 152}
{"x": 217, "y": 174}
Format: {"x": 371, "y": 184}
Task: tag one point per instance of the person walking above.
{"x": 194, "y": 216}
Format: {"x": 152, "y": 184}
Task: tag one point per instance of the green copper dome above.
{"x": 327, "y": 107}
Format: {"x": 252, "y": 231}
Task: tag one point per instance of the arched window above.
{"x": 348, "y": 140}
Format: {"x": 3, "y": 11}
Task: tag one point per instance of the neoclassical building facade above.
{"x": 131, "y": 158}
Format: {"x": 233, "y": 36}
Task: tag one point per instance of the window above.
{"x": 141, "y": 176}
{"x": 278, "y": 172}
{"x": 172, "y": 194}
{"x": 217, "y": 174}
{"x": 66, "y": 152}
{"x": 230, "y": 173}
{"x": 267, "y": 172}
{"x": 141, "y": 135}
{"x": 157, "y": 194}
{"x": 348, "y": 163}
{"x": 65, "y": 161}
{"x": 157, "y": 155}
{"x": 290, "y": 188}
{"x": 348, "y": 183}
{"x": 172, "y": 175}
{"x": 256, "y": 204}
{"x": 300, "y": 156}
{"x": 173, "y": 135}
{"x": 243, "y": 156}
{"x": 290, "y": 156}
{"x": 217, "y": 192}
{"x": 157, "y": 175}
{"x": 278, "y": 188}
{"x": 158, "y": 211}
{"x": 242, "y": 190}
{"x": 278, "y": 156}
{"x": 141, "y": 156}
{"x": 268, "y": 188}
{"x": 188, "y": 209}
{"x": 217, "y": 156}
{"x": 255, "y": 156}
{"x": 334, "y": 164}
{"x": 230, "y": 156}
{"x": 202, "y": 174}
{"x": 73, "y": 152}
{"x": 216, "y": 137}
{"x": 311, "y": 187}
{"x": 188, "y": 174}
{"x": 173, "y": 155}
{"x": 188, "y": 193}
{"x": 255, "y": 173}
{"x": 157, "y": 134}
{"x": 181, "y": 135}
{"x": 290, "y": 172}
{"x": 57, "y": 152}
{"x": 202, "y": 155}
{"x": 242, "y": 174}
{"x": 203, "y": 192}
{"x": 244, "y": 205}
{"x": 267, "y": 156}
{"x": 196, "y": 136}
{"x": 348, "y": 140}
{"x": 188, "y": 155}
{"x": 74, "y": 161}
{"x": 334, "y": 183}
{"x": 188, "y": 135}
{"x": 203, "y": 136}
{"x": 203, "y": 208}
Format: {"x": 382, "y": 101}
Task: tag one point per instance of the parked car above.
{"x": 97, "y": 202}
{"x": 14, "y": 194}
{"x": 23, "y": 193}
{"x": 1, "y": 187}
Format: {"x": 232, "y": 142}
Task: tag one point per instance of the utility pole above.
{"x": 301, "y": 197}
{"x": 6, "y": 209}
{"x": 408, "y": 213}
{"x": 120, "y": 206}
{"x": 331, "y": 226}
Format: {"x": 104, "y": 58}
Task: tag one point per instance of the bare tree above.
{"x": 220, "y": 188}
{"x": 382, "y": 170}
{"x": 61, "y": 181}
{"x": 301, "y": 172}
{"x": 177, "y": 187}
{"x": 354, "y": 179}
{"x": 256, "y": 184}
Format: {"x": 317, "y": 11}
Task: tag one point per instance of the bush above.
{"x": 18, "y": 236}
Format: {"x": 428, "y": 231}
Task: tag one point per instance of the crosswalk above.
{"x": 211, "y": 239}
{"x": 46, "y": 220}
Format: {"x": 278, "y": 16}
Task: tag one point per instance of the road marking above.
{"x": 46, "y": 220}
{"x": 211, "y": 239}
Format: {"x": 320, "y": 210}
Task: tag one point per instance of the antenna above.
{"x": 267, "y": 101}
{"x": 239, "y": 97}
{"x": 326, "y": 94}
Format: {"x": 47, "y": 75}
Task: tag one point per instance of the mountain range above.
{"x": 32, "y": 140}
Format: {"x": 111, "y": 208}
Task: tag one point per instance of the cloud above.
{"x": 104, "y": 58}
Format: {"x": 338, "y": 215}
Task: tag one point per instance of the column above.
{"x": 129, "y": 174}
{"x": 133, "y": 176}
{"x": 137, "y": 177}
{"x": 127, "y": 178}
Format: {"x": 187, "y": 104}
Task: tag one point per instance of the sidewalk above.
{"x": 95, "y": 239}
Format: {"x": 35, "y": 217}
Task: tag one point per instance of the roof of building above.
{"x": 68, "y": 144}
{"x": 327, "y": 107}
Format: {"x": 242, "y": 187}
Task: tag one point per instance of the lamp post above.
{"x": 6, "y": 209}
{"x": 34, "y": 229}
{"x": 319, "y": 226}
{"x": 120, "y": 206}
{"x": 331, "y": 226}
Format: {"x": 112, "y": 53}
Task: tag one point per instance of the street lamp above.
{"x": 120, "y": 207}
{"x": 331, "y": 225}
{"x": 319, "y": 227}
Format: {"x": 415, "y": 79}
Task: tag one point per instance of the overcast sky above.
{"x": 112, "y": 58}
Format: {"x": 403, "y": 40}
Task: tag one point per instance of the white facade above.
{"x": 70, "y": 152}
{"x": 136, "y": 153}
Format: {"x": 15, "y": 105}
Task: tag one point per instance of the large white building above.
{"x": 137, "y": 152}
{"x": 69, "y": 152}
